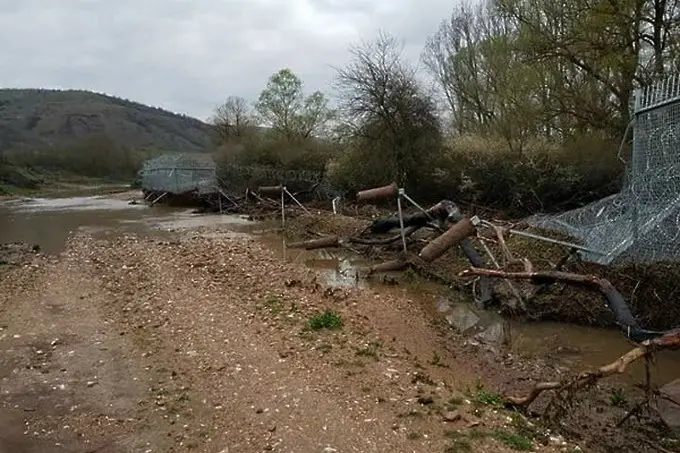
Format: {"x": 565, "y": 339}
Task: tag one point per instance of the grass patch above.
{"x": 459, "y": 446}
{"x": 617, "y": 398}
{"x": 483, "y": 397}
{"x": 350, "y": 363}
{"x": 324, "y": 348}
{"x": 423, "y": 378}
{"x": 669, "y": 444}
{"x": 460, "y": 441}
{"x": 454, "y": 401}
{"x": 326, "y": 320}
{"x": 513, "y": 440}
{"x": 274, "y": 304}
{"x": 524, "y": 428}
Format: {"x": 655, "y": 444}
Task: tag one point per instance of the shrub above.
{"x": 545, "y": 176}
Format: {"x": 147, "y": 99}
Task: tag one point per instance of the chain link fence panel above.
{"x": 179, "y": 173}
{"x": 641, "y": 224}
{"x": 184, "y": 172}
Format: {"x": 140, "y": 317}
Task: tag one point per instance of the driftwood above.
{"x": 386, "y": 241}
{"x": 300, "y": 193}
{"x": 455, "y": 234}
{"x": 313, "y": 244}
{"x": 617, "y": 304}
{"x": 395, "y": 265}
{"x": 438, "y": 212}
{"x": 669, "y": 340}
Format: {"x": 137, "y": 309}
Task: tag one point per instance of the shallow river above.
{"x": 48, "y": 222}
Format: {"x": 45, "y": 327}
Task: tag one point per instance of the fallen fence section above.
{"x": 641, "y": 224}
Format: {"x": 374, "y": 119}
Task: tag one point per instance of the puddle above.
{"x": 48, "y": 222}
{"x": 336, "y": 267}
{"x": 568, "y": 345}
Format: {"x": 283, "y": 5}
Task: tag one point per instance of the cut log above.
{"x": 377, "y": 193}
{"x": 669, "y": 340}
{"x": 617, "y": 304}
{"x": 270, "y": 190}
{"x": 485, "y": 283}
{"x": 313, "y": 244}
{"x": 443, "y": 242}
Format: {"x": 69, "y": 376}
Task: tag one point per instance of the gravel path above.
{"x": 205, "y": 345}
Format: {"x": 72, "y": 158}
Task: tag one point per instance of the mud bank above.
{"x": 650, "y": 290}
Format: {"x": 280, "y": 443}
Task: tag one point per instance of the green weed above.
{"x": 513, "y": 440}
{"x": 617, "y": 398}
{"x": 484, "y": 397}
{"x": 326, "y": 320}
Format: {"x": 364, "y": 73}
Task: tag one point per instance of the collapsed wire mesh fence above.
{"x": 641, "y": 223}
{"x": 179, "y": 173}
{"x": 238, "y": 177}
{"x": 183, "y": 172}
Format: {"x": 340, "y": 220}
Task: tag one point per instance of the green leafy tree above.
{"x": 284, "y": 106}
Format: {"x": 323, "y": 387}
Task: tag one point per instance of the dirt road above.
{"x": 214, "y": 345}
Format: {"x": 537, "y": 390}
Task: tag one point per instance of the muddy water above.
{"x": 48, "y": 222}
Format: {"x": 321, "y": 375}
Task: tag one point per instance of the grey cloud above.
{"x": 188, "y": 55}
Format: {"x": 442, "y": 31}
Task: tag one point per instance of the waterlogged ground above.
{"x": 154, "y": 330}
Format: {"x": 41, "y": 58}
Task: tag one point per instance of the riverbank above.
{"x": 54, "y": 185}
{"x": 650, "y": 290}
{"x": 212, "y": 338}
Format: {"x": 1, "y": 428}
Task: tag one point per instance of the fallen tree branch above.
{"x": 313, "y": 244}
{"x": 386, "y": 241}
{"x": 394, "y": 265}
{"x": 669, "y": 340}
{"x": 507, "y": 254}
{"x": 617, "y": 304}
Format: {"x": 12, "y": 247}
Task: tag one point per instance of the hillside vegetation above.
{"x": 48, "y": 135}
{"x": 34, "y": 119}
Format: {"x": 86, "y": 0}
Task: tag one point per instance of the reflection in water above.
{"x": 572, "y": 346}
{"x": 337, "y": 267}
{"x": 49, "y": 222}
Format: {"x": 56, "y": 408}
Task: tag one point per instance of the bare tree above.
{"x": 233, "y": 118}
{"x": 388, "y": 111}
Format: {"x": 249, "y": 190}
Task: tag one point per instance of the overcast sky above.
{"x": 187, "y": 55}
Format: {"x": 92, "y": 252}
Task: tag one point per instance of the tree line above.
{"x": 97, "y": 157}
{"x": 533, "y": 100}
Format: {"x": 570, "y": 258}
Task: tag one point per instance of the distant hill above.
{"x": 36, "y": 118}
